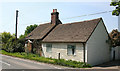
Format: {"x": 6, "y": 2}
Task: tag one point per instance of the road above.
{"x": 14, "y": 63}
{"x": 9, "y": 62}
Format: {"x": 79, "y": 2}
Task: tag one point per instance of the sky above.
{"x": 58, "y": 0}
{"x": 40, "y": 12}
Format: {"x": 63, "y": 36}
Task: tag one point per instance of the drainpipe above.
{"x": 84, "y": 53}
{"x": 59, "y": 56}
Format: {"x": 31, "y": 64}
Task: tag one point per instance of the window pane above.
{"x": 70, "y": 49}
{"x": 48, "y": 47}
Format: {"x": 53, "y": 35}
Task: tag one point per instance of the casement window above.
{"x": 48, "y": 47}
{"x": 71, "y": 49}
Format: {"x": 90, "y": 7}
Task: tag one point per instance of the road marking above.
{"x": 5, "y": 63}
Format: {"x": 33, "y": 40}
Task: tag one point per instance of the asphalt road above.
{"x": 8, "y": 63}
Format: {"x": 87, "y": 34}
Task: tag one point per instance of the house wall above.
{"x": 98, "y": 50}
{"x": 62, "y": 49}
{"x": 117, "y": 52}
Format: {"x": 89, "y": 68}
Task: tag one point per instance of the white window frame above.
{"x": 70, "y": 50}
{"x": 49, "y": 48}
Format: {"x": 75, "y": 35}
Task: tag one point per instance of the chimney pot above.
{"x": 54, "y": 10}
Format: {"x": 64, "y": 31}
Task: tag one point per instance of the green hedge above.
{"x": 35, "y": 57}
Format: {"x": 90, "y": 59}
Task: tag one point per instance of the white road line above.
{"x": 5, "y": 63}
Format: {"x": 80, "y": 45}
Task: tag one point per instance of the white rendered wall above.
{"x": 62, "y": 49}
{"x": 98, "y": 51}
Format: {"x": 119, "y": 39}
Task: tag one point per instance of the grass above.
{"x": 35, "y": 57}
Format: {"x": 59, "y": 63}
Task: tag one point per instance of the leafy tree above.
{"x": 9, "y": 44}
{"x": 117, "y": 7}
{"x": 5, "y": 37}
{"x": 22, "y": 37}
{"x": 30, "y": 28}
{"x": 115, "y": 37}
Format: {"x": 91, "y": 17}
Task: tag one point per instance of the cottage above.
{"x": 83, "y": 41}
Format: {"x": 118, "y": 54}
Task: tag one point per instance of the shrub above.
{"x": 14, "y": 46}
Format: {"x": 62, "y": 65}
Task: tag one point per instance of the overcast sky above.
{"x": 38, "y": 12}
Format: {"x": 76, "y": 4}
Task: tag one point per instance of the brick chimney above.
{"x": 55, "y": 17}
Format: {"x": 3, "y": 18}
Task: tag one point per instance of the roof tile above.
{"x": 72, "y": 32}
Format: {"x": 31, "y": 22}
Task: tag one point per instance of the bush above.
{"x": 14, "y": 46}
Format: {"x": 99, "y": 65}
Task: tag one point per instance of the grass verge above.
{"x": 68, "y": 63}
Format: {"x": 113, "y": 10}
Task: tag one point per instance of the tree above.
{"x": 9, "y": 44}
{"x": 115, "y": 37}
{"x": 117, "y": 9}
{"x": 30, "y": 28}
{"x": 22, "y": 37}
{"x": 5, "y": 37}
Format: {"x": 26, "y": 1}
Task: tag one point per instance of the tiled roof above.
{"x": 40, "y": 31}
{"x": 72, "y": 32}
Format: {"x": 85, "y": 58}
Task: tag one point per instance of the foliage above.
{"x": 22, "y": 36}
{"x": 9, "y": 44}
{"x": 30, "y": 28}
{"x": 71, "y": 63}
{"x": 14, "y": 46}
{"x": 5, "y": 37}
{"x": 8, "y": 41}
{"x": 36, "y": 57}
{"x": 115, "y": 37}
{"x": 117, "y": 10}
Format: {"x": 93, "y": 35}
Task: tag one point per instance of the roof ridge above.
{"x": 82, "y": 21}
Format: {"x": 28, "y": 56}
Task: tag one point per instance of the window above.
{"x": 48, "y": 47}
{"x": 71, "y": 50}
